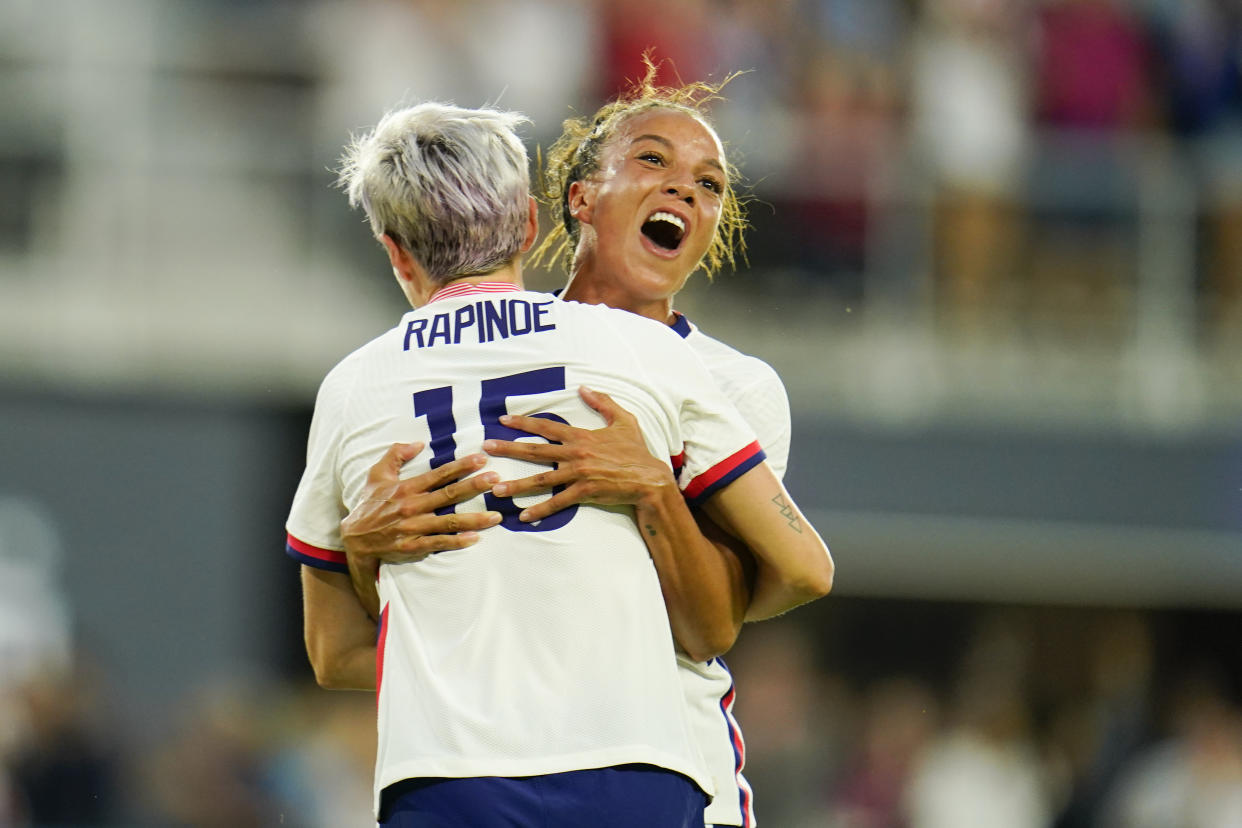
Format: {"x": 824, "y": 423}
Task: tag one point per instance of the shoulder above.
{"x": 346, "y": 373}
{"x": 630, "y": 326}
{"x": 731, "y": 366}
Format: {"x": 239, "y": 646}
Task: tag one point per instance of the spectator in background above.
{"x": 984, "y": 771}
{"x": 321, "y": 768}
{"x": 535, "y": 56}
{"x": 66, "y": 768}
{"x": 900, "y": 717}
{"x": 761, "y": 38}
{"x": 1194, "y": 778}
{"x": 969, "y": 124}
{"x": 678, "y": 33}
{"x": 843, "y": 139}
{"x": 1091, "y": 92}
{"x": 1097, "y": 727}
{"x": 212, "y": 771}
{"x": 1199, "y": 43}
{"x": 59, "y": 763}
{"x": 839, "y": 142}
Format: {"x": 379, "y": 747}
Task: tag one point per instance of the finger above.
{"x": 388, "y": 468}
{"x": 463, "y": 490}
{"x": 545, "y": 508}
{"x": 539, "y": 426}
{"x": 429, "y": 545}
{"x": 416, "y": 535}
{"x": 603, "y": 404}
{"x": 438, "y": 477}
{"x": 542, "y": 482}
{"x": 524, "y": 450}
{"x": 456, "y": 523}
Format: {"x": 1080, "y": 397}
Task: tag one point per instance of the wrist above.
{"x": 659, "y": 497}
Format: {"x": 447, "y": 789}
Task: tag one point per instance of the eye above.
{"x": 712, "y": 184}
{"x": 651, "y": 157}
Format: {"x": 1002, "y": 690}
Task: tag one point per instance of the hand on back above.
{"x": 396, "y": 521}
{"x": 608, "y": 466}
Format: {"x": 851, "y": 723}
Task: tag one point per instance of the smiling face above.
{"x": 649, "y": 213}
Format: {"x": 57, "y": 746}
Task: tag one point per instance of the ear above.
{"x": 532, "y": 225}
{"x": 581, "y": 201}
{"x": 410, "y": 274}
{"x": 402, "y": 261}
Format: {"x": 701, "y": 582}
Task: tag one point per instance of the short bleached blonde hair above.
{"x": 449, "y": 185}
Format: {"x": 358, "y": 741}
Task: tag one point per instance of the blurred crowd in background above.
{"x": 1069, "y": 168}
{"x": 865, "y": 715}
{"x": 1002, "y": 159}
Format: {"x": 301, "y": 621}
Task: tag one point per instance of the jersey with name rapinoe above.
{"x": 757, "y": 392}
{"x": 544, "y": 647}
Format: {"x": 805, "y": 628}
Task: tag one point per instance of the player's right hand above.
{"x": 396, "y": 521}
{"x": 608, "y": 466}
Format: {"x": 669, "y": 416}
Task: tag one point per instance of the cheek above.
{"x": 711, "y": 225}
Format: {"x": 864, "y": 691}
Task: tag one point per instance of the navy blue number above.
{"x": 436, "y": 404}
{"x": 493, "y": 403}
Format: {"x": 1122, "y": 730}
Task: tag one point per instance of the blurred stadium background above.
{"x": 996, "y": 255}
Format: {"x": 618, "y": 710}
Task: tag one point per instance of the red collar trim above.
{"x": 467, "y": 288}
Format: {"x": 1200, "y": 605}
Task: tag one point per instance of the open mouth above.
{"x": 665, "y": 230}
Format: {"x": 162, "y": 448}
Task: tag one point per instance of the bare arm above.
{"x": 794, "y": 565}
{"x": 704, "y": 584}
{"x": 340, "y": 635}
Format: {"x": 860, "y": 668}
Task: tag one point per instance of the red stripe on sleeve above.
{"x": 326, "y": 555}
{"x": 707, "y": 478}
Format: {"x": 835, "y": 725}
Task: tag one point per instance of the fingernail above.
{"x": 471, "y": 536}
{"x": 488, "y": 445}
{"x": 493, "y": 518}
{"x": 524, "y": 516}
{"x": 500, "y": 489}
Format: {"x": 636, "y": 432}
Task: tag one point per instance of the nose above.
{"x": 682, "y": 191}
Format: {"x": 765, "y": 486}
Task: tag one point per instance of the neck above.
{"x": 583, "y": 288}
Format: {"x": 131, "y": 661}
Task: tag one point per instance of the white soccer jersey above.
{"x": 544, "y": 647}
{"x": 757, "y": 392}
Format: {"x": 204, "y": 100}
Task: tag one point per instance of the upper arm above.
{"x": 756, "y": 509}
{"x": 340, "y": 635}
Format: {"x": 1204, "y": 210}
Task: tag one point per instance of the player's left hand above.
{"x": 607, "y": 466}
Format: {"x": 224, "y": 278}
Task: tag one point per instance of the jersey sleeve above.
{"x": 718, "y": 445}
{"x": 765, "y": 406}
{"x": 313, "y": 535}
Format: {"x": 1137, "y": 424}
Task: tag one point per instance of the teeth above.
{"x": 670, "y": 218}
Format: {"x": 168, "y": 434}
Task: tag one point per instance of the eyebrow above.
{"x": 660, "y": 139}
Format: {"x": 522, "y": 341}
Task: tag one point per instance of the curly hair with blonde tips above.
{"x": 575, "y": 156}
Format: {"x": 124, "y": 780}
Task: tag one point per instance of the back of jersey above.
{"x": 544, "y": 647}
